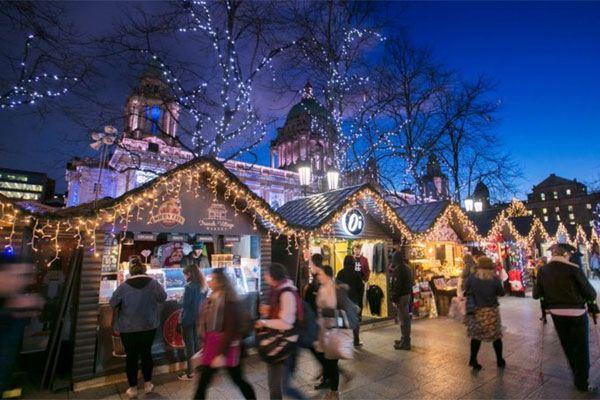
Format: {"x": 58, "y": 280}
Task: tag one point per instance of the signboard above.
{"x": 204, "y": 238}
{"x": 232, "y": 239}
{"x": 353, "y": 222}
{"x": 145, "y": 237}
{"x": 169, "y": 213}
{"x": 177, "y": 238}
{"x": 216, "y": 218}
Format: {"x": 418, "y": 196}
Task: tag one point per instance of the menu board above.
{"x": 110, "y": 254}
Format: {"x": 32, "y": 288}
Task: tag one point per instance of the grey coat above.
{"x": 135, "y": 304}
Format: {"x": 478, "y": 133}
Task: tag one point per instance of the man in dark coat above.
{"x": 402, "y": 283}
{"x": 196, "y": 256}
{"x": 564, "y": 291}
{"x": 351, "y": 278}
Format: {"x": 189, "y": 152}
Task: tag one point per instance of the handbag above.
{"x": 458, "y": 308}
{"x": 212, "y": 342}
{"x": 273, "y": 345}
{"x": 338, "y": 344}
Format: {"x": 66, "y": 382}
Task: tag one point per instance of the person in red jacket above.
{"x": 361, "y": 267}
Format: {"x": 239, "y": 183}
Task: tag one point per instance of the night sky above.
{"x": 545, "y": 56}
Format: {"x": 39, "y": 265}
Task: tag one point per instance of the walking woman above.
{"x": 327, "y": 300}
{"x": 280, "y": 314}
{"x": 135, "y": 304}
{"x": 220, "y": 337}
{"x": 485, "y": 324}
{"x": 193, "y": 295}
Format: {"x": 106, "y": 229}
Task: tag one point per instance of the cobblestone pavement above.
{"x": 436, "y": 368}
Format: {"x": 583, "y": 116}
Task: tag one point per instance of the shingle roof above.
{"x": 483, "y": 219}
{"x": 313, "y": 211}
{"x": 554, "y": 180}
{"x": 420, "y": 217}
{"x": 551, "y": 227}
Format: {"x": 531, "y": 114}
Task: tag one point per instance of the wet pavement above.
{"x": 436, "y": 368}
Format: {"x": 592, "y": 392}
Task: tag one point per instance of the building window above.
{"x": 543, "y": 196}
{"x": 570, "y": 208}
{"x": 588, "y": 206}
{"x": 568, "y": 192}
{"x": 555, "y": 195}
{"x": 142, "y": 177}
{"x": 571, "y": 216}
{"x": 21, "y": 186}
{"x": 545, "y": 218}
{"x": 529, "y": 212}
{"x": 153, "y": 114}
{"x": 557, "y": 209}
{"x": 545, "y": 210}
{"x": 557, "y": 217}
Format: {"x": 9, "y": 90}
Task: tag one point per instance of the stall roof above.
{"x": 483, "y": 220}
{"x": 551, "y": 227}
{"x": 420, "y": 217}
{"x": 314, "y": 211}
{"x": 522, "y": 224}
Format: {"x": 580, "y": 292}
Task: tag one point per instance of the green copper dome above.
{"x": 308, "y": 106}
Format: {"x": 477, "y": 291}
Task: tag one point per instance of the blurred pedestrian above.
{"x": 17, "y": 305}
{"x": 595, "y": 263}
{"x": 282, "y": 314}
{"x": 564, "y": 291}
{"x": 468, "y": 269}
{"x": 193, "y": 296}
{"x": 220, "y": 336}
{"x": 402, "y": 284}
{"x": 326, "y": 301}
{"x": 541, "y": 263}
{"x": 310, "y": 296}
{"x": 136, "y": 307}
{"x": 484, "y": 324}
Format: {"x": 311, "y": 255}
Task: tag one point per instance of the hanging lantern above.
{"x": 469, "y": 204}
{"x": 305, "y": 172}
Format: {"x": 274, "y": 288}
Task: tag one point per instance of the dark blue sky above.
{"x": 545, "y": 56}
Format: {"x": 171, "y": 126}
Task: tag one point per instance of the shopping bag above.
{"x": 458, "y": 309}
{"x": 338, "y": 344}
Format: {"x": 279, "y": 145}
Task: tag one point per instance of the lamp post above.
{"x": 304, "y": 172}
{"x": 469, "y": 204}
{"x": 478, "y": 205}
{"x": 102, "y": 139}
{"x": 333, "y": 177}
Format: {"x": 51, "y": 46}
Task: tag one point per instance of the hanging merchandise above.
{"x": 375, "y": 298}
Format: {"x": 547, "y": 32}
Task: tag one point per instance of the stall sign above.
{"x": 232, "y": 239}
{"x": 354, "y": 222}
{"x": 145, "y": 237}
{"x": 204, "y": 238}
{"x": 216, "y": 218}
{"x": 169, "y": 214}
{"x": 177, "y": 238}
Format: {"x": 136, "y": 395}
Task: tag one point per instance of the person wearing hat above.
{"x": 564, "y": 291}
{"x": 196, "y": 256}
{"x": 484, "y": 323}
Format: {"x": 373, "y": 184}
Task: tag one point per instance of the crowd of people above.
{"x": 323, "y": 318}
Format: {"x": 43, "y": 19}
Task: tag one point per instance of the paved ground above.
{"x": 436, "y": 368}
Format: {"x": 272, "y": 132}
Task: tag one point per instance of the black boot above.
{"x": 498, "y": 349}
{"x": 475, "y": 345}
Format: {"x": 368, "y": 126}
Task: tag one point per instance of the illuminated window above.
{"x": 557, "y": 217}
{"x": 529, "y": 212}
{"x": 545, "y": 210}
{"x": 543, "y": 196}
{"x": 20, "y": 195}
{"x": 568, "y": 192}
{"x": 588, "y": 206}
{"x": 11, "y": 177}
{"x": 545, "y": 218}
{"x": 555, "y": 195}
{"x": 557, "y": 209}
{"x": 570, "y": 208}
{"x": 571, "y": 216}
{"x": 142, "y": 177}
{"x": 153, "y": 114}
{"x": 21, "y": 186}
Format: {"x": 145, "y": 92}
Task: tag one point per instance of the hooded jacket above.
{"x": 135, "y": 303}
{"x": 354, "y": 281}
{"x": 402, "y": 282}
{"x": 562, "y": 285}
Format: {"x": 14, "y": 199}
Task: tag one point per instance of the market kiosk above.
{"x": 436, "y": 253}
{"x": 199, "y": 205}
{"x": 337, "y": 221}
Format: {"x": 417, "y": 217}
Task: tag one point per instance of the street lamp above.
{"x": 304, "y": 172}
{"x": 478, "y": 206}
{"x": 469, "y": 204}
{"x": 102, "y": 139}
{"x": 333, "y": 177}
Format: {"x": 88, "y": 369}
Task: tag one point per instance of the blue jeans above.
{"x": 404, "y": 317}
{"x": 192, "y": 345}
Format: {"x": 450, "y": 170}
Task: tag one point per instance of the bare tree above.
{"x": 41, "y": 55}
{"x": 470, "y": 151}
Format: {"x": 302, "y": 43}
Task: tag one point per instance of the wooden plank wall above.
{"x": 86, "y": 319}
{"x": 265, "y": 260}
